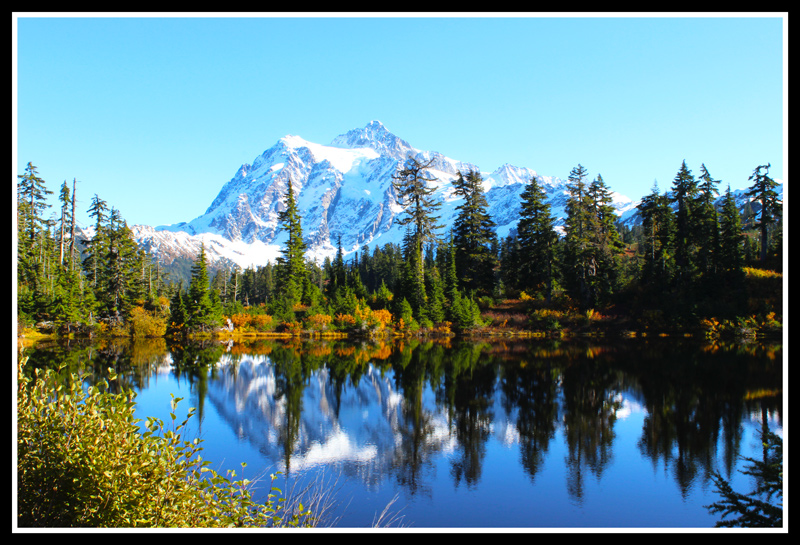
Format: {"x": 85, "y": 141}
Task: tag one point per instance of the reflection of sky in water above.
{"x": 355, "y": 436}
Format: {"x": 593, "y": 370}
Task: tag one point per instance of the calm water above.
{"x": 535, "y": 434}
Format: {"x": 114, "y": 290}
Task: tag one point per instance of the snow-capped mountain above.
{"x": 343, "y": 190}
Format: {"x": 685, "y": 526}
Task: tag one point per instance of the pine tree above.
{"x": 763, "y": 191}
{"x": 337, "y": 274}
{"x": 474, "y": 235}
{"x": 436, "y": 298}
{"x": 31, "y": 204}
{"x": 684, "y": 191}
{"x": 606, "y": 243}
{"x": 576, "y": 261}
{"x": 200, "y": 312}
{"x": 177, "y": 309}
{"x": 658, "y": 233}
{"x": 731, "y": 258}
{"x": 511, "y": 264}
{"x": 450, "y": 277}
{"x": 32, "y": 293}
{"x": 414, "y": 276}
{"x": 708, "y": 243}
{"x": 291, "y": 268}
{"x": 97, "y": 246}
{"x": 119, "y": 268}
{"x": 536, "y": 239}
{"x": 65, "y": 220}
{"x": 414, "y": 193}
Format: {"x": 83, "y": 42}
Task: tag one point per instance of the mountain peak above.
{"x": 377, "y": 137}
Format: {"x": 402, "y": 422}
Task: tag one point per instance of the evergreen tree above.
{"x": 65, "y": 220}
{"x": 177, "y": 309}
{"x": 763, "y": 191}
{"x": 337, "y": 274}
{"x": 707, "y": 227}
{"x": 658, "y": 234}
{"x": 450, "y": 277}
{"x": 511, "y": 264}
{"x": 606, "y": 243}
{"x": 474, "y": 235}
{"x": 96, "y": 247}
{"x": 536, "y": 239}
{"x": 414, "y": 278}
{"x": 762, "y": 508}
{"x": 291, "y": 268}
{"x": 731, "y": 258}
{"x": 383, "y": 297}
{"x": 414, "y": 194}
{"x": 436, "y": 298}
{"x": 201, "y": 313}
{"x": 31, "y": 204}
{"x": 68, "y": 304}
{"x": 684, "y": 192}
{"x": 118, "y": 268}
{"x": 577, "y": 257}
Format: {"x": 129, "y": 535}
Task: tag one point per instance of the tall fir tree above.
{"x": 731, "y": 258}
{"x": 474, "y": 235}
{"x": 65, "y": 221}
{"x": 707, "y": 228}
{"x": 606, "y": 243}
{"x": 658, "y": 234}
{"x": 413, "y": 284}
{"x": 31, "y": 203}
{"x": 291, "y": 267}
{"x": 415, "y": 194}
{"x": 97, "y": 246}
{"x": 119, "y": 268}
{"x": 536, "y": 238}
{"x": 576, "y": 255}
{"x": 763, "y": 191}
{"x": 200, "y": 311}
{"x": 684, "y": 192}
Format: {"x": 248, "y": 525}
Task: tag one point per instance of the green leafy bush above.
{"x": 83, "y": 461}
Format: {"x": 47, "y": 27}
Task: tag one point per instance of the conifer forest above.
{"x": 689, "y": 266}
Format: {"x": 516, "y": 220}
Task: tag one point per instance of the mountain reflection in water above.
{"x": 446, "y": 419}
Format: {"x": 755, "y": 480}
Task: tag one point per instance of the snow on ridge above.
{"x": 342, "y": 190}
{"x": 342, "y": 159}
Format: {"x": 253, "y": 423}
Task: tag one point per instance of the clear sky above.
{"x": 154, "y": 112}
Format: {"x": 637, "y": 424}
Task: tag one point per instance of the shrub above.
{"x": 145, "y": 324}
{"x": 318, "y": 322}
{"x": 344, "y": 321}
{"x": 83, "y": 462}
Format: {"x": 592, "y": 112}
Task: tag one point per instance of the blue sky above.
{"x": 155, "y": 113}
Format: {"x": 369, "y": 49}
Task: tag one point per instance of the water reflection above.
{"x": 392, "y": 410}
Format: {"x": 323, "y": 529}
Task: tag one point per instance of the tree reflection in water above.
{"x": 397, "y": 409}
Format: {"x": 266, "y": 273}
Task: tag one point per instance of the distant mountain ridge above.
{"x": 343, "y": 191}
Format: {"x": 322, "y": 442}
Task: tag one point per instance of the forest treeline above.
{"x": 688, "y": 264}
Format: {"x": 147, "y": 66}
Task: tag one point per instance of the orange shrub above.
{"x": 261, "y": 322}
{"x": 344, "y": 320}
{"x": 240, "y": 321}
{"x": 318, "y": 321}
{"x": 382, "y": 316}
{"x": 249, "y": 322}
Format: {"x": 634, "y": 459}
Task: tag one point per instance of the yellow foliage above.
{"x": 318, "y": 321}
{"x": 344, "y": 320}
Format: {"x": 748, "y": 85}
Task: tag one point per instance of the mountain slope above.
{"x": 343, "y": 191}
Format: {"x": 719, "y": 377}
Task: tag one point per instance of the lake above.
{"x": 534, "y": 434}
